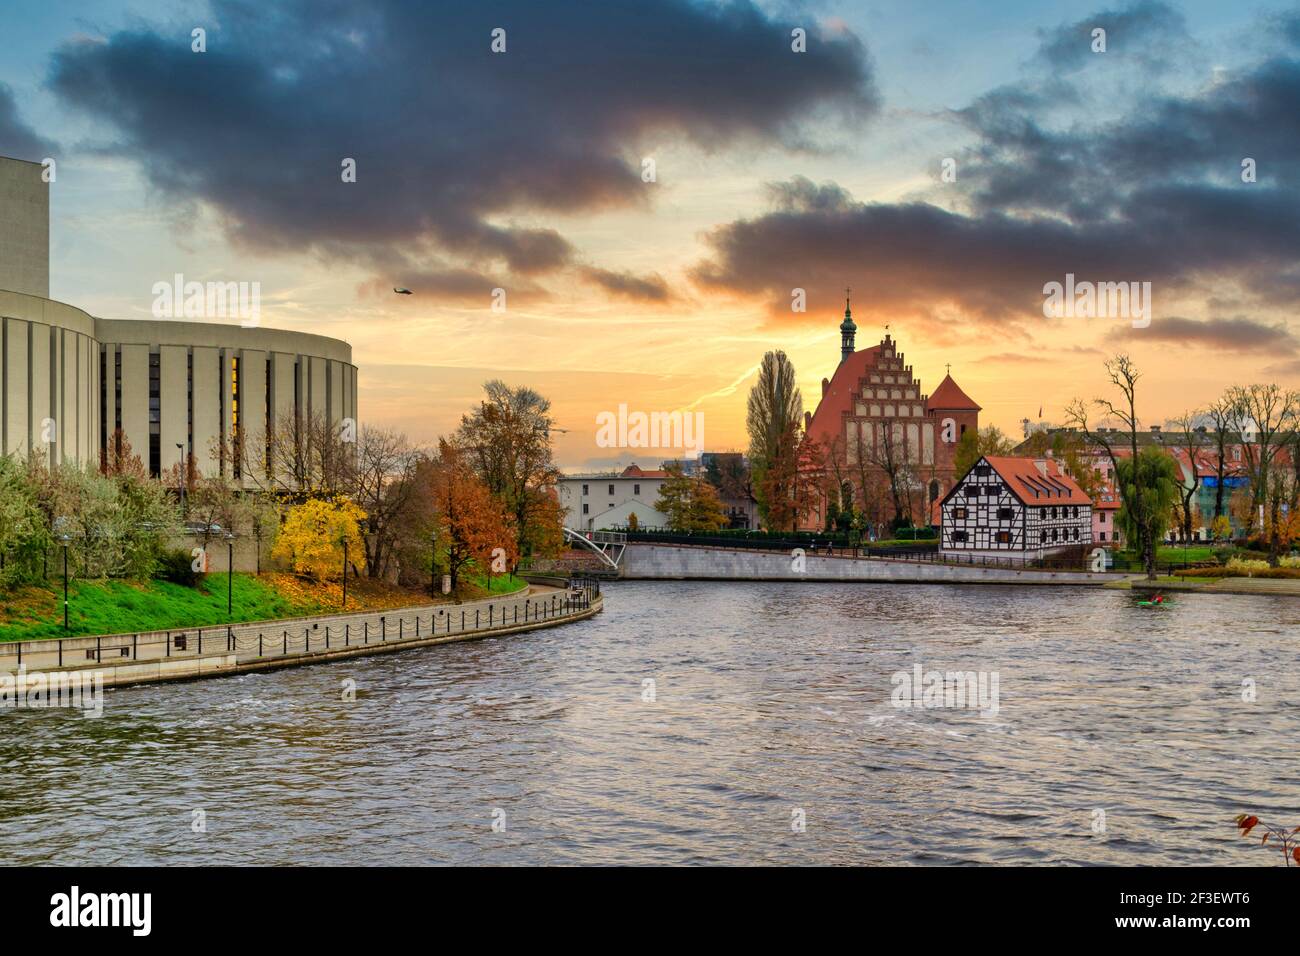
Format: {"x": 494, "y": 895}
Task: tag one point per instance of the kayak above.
{"x": 1152, "y": 603}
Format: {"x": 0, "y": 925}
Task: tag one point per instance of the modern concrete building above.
{"x": 69, "y": 381}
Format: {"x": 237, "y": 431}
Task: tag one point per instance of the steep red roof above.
{"x": 632, "y": 471}
{"x": 950, "y": 396}
{"x": 1024, "y": 479}
{"x": 825, "y": 425}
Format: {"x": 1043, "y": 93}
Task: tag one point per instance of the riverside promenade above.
{"x": 188, "y": 653}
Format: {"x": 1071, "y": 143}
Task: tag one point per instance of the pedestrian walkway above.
{"x": 195, "y": 652}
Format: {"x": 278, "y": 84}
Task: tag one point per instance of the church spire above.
{"x": 847, "y": 329}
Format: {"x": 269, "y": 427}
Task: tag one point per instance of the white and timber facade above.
{"x": 1023, "y": 508}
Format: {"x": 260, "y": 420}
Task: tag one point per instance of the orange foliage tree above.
{"x": 472, "y": 526}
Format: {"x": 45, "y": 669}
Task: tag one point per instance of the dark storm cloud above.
{"x": 649, "y": 288}
{"x": 450, "y": 139}
{"x": 1231, "y": 335}
{"x": 1149, "y": 33}
{"x": 1152, "y": 194}
{"x": 17, "y": 139}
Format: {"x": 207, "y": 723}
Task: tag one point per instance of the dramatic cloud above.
{"x": 651, "y": 288}
{"x": 17, "y": 140}
{"x": 454, "y": 144}
{"x": 1230, "y": 335}
{"x": 1156, "y": 196}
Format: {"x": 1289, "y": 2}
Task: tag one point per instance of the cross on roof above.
{"x": 948, "y": 368}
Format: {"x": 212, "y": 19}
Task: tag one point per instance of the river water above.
{"x": 767, "y": 735}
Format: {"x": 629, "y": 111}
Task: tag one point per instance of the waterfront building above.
{"x": 599, "y": 500}
{"x": 70, "y": 382}
{"x": 1239, "y": 448}
{"x": 873, "y": 417}
{"x": 1014, "y": 507}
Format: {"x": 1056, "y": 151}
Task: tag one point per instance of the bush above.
{"x": 177, "y": 567}
{"x": 1246, "y": 565}
{"x": 1230, "y": 572}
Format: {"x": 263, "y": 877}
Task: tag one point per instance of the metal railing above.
{"x": 269, "y": 640}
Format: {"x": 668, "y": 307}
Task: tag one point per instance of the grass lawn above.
{"x": 128, "y": 607}
{"x": 1193, "y": 552}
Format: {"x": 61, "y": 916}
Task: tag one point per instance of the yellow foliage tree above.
{"x": 312, "y": 537}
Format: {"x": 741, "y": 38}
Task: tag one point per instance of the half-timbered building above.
{"x": 1014, "y": 507}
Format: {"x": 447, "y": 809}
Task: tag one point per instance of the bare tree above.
{"x": 1194, "y": 444}
{"x": 1269, "y": 412}
{"x": 384, "y": 486}
{"x": 1123, "y": 375}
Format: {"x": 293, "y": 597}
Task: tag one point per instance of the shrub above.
{"x": 177, "y": 567}
{"x": 1246, "y": 565}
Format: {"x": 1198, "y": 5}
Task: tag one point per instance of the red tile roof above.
{"x": 632, "y": 471}
{"x": 1101, "y": 504}
{"x": 950, "y": 396}
{"x": 826, "y": 421}
{"x": 1024, "y": 479}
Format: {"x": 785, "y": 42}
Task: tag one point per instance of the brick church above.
{"x": 874, "y": 420}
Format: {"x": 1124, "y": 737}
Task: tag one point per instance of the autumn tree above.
{"x": 312, "y": 538}
{"x": 690, "y": 503}
{"x": 473, "y": 527}
{"x": 774, "y": 410}
{"x": 974, "y": 445}
{"x": 508, "y": 441}
{"x": 118, "y": 459}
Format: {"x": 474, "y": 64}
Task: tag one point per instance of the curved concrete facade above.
{"x": 69, "y": 381}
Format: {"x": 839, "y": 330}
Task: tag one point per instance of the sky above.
{"x": 648, "y": 182}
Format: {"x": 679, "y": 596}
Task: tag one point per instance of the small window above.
{"x": 1101, "y": 535}
{"x": 584, "y": 489}
{"x": 636, "y": 490}
{"x": 959, "y": 512}
{"x": 586, "y": 508}
{"x": 611, "y": 489}
{"x": 1054, "y": 535}
{"x": 959, "y": 536}
{"x": 1004, "y": 537}
{"x": 972, "y": 491}
{"x": 982, "y": 471}
{"x": 1005, "y": 514}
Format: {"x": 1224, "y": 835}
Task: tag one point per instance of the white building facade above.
{"x": 598, "y": 500}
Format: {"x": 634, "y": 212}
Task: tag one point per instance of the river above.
{"x": 768, "y": 735}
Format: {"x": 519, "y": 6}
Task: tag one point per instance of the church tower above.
{"x": 847, "y": 330}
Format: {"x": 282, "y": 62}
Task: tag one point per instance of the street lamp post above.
{"x": 65, "y": 582}
{"x": 433, "y": 564}
{"x": 345, "y": 572}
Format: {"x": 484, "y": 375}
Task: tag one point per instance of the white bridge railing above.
{"x": 609, "y": 545}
